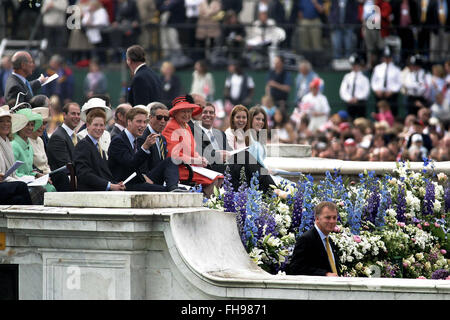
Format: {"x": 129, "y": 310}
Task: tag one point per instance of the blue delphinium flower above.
{"x": 229, "y": 194}
{"x": 428, "y": 201}
{"x": 307, "y": 220}
{"x": 447, "y": 198}
{"x": 240, "y": 200}
{"x": 385, "y": 202}
{"x": 253, "y": 211}
{"x": 355, "y": 209}
{"x": 401, "y": 204}
{"x": 297, "y": 209}
{"x": 373, "y": 203}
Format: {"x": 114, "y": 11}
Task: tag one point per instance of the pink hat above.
{"x": 315, "y": 83}
{"x": 185, "y": 102}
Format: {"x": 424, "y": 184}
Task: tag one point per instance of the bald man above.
{"x": 23, "y": 66}
{"x": 120, "y": 121}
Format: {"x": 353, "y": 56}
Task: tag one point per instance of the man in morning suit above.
{"x": 60, "y": 147}
{"x": 145, "y": 86}
{"x": 314, "y": 253}
{"x": 129, "y": 153}
{"x": 90, "y": 162}
{"x": 23, "y": 67}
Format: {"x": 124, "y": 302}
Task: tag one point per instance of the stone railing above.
{"x": 128, "y": 245}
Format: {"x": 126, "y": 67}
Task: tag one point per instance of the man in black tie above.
{"x": 161, "y": 167}
{"x": 23, "y": 67}
{"x": 128, "y": 153}
{"x": 91, "y": 167}
{"x": 314, "y": 253}
{"x": 60, "y": 147}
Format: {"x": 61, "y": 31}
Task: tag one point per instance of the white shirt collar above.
{"x": 131, "y": 138}
{"x": 121, "y": 128}
{"x": 138, "y": 67}
{"x": 68, "y": 130}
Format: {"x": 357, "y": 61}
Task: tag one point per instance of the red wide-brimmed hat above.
{"x": 185, "y": 102}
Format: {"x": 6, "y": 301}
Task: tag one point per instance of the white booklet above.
{"x": 50, "y": 79}
{"x": 130, "y": 177}
{"x": 13, "y": 168}
{"x": 237, "y": 151}
{"x": 206, "y": 172}
{"x": 42, "y": 181}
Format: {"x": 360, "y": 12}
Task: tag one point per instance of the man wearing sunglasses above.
{"x": 161, "y": 167}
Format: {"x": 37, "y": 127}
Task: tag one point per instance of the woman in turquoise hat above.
{"x": 23, "y": 150}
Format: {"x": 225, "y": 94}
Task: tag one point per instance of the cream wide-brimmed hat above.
{"x": 19, "y": 121}
{"x": 30, "y": 116}
{"x": 95, "y": 103}
{"x": 43, "y": 111}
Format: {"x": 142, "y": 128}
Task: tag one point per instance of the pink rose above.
{"x": 419, "y": 226}
{"x": 401, "y": 224}
{"x": 426, "y": 224}
{"x": 437, "y": 225}
{"x": 357, "y": 239}
{"x": 421, "y": 277}
{"x": 448, "y": 278}
{"x": 405, "y": 265}
{"x": 443, "y": 251}
{"x": 413, "y": 239}
{"x": 337, "y": 229}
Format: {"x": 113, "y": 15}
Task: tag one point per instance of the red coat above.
{"x": 181, "y": 147}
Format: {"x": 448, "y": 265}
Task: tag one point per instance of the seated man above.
{"x": 14, "y": 192}
{"x": 161, "y": 167}
{"x": 128, "y": 153}
{"x": 90, "y": 162}
{"x": 61, "y": 145}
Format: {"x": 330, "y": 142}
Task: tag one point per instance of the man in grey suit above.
{"x": 61, "y": 145}
{"x": 23, "y": 67}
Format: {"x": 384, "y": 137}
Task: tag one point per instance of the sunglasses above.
{"x": 160, "y": 117}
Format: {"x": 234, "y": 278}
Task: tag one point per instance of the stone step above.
{"x": 123, "y": 199}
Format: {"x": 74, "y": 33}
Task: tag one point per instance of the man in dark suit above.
{"x": 61, "y": 145}
{"x": 314, "y": 253}
{"x": 90, "y": 162}
{"x": 120, "y": 121}
{"x": 23, "y": 67}
{"x": 129, "y": 153}
{"x": 161, "y": 167}
{"x": 145, "y": 86}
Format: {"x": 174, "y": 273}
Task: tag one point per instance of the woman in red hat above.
{"x": 181, "y": 142}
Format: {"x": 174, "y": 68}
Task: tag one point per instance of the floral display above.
{"x": 388, "y": 226}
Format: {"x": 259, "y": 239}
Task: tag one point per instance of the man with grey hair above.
{"x": 161, "y": 167}
{"x": 303, "y": 79}
{"x": 23, "y": 67}
{"x": 120, "y": 119}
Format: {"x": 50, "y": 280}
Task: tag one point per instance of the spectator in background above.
{"x": 54, "y": 21}
{"x": 208, "y": 25}
{"x": 375, "y": 20}
{"x": 5, "y": 71}
{"x": 171, "y": 83}
{"x": 386, "y": 81}
{"x": 435, "y": 82}
{"x": 173, "y": 13}
{"x": 282, "y": 130}
{"x": 278, "y": 84}
{"x": 79, "y": 44}
{"x": 405, "y": 16}
{"x": 120, "y": 120}
{"x": 95, "y": 81}
{"x": 309, "y": 12}
{"x": 95, "y": 19}
{"x": 233, "y": 35}
{"x": 384, "y": 113}
{"x": 64, "y": 85}
{"x": 192, "y": 13}
{"x": 303, "y": 79}
{"x": 440, "y": 30}
{"x": 342, "y": 17}
{"x": 125, "y": 29}
{"x": 203, "y": 81}
{"x": 239, "y": 86}
{"x": 441, "y": 107}
{"x": 316, "y": 106}
{"x": 414, "y": 85}
{"x": 149, "y": 17}
{"x": 355, "y": 89}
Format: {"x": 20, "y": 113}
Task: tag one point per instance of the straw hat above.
{"x": 43, "y": 111}
{"x": 19, "y": 121}
{"x": 95, "y": 103}
{"x": 185, "y": 102}
{"x": 30, "y": 116}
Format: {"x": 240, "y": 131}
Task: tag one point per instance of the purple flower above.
{"x": 440, "y": 274}
{"x": 447, "y": 198}
{"x": 401, "y": 204}
{"x": 229, "y": 195}
{"x": 428, "y": 201}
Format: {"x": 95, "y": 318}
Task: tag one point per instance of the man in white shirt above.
{"x": 386, "y": 81}
{"x": 415, "y": 85}
{"x": 239, "y": 86}
{"x": 355, "y": 89}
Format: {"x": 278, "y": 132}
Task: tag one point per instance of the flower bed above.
{"x": 387, "y": 226}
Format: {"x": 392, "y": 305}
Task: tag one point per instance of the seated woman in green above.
{"x": 23, "y": 150}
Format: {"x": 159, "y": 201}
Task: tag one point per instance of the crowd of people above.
{"x": 190, "y": 30}
{"x": 145, "y": 144}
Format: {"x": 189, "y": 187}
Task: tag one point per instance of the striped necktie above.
{"x": 161, "y": 148}
{"x": 330, "y": 257}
